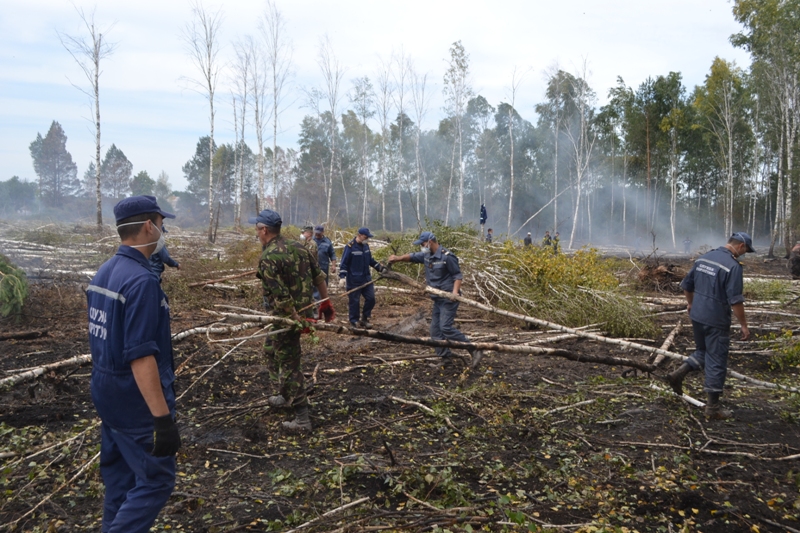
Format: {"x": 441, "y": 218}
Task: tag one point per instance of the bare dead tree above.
{"x": 362, "y": 97}
{"x": 202, "y": 44}
{"x": 279, "y": 67}
{"x": 457, "y": 93}
{"x": 240, "y": 93}
{"x": 332, "y": 73}
{"x": 88, "y": 51}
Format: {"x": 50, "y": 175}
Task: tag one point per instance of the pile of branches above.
{"x": 570, "y": 289}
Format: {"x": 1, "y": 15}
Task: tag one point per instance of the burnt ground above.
{"x": 525, "y": 443}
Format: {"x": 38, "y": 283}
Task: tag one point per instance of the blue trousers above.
{"x": 354, "y": 300}
{"x": 443, "y": 318}
{"x": 138, "y": 485}
{"x": 711, "y": 354}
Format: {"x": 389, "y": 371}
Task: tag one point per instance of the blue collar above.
{"x": 133, "y": 253}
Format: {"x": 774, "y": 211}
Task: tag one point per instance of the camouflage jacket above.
{"x": 288, "y": 274}
{"x": 311, "y": 246}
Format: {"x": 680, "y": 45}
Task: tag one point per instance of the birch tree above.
{"x": 457, "y": 92}
{"x": 240, "y": 95}
{"x": 88, "y": 51}
{"x": 258, "y": 100}
{"x": 362, "y": 97}
{"x": 384, "y": 105}
{"x": 279, "y": 65}
{"x": 400, "y": 77}
{"x": 516, "y": 81}
{"x": 420, "y": 102}
{"x": 332, "y": 73}
{"x": 581, "y": 137}
{"x": 201, "y": 37}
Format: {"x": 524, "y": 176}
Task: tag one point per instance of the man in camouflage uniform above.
{"x": 288, "y": 274}
{"x": 308, "y": 241}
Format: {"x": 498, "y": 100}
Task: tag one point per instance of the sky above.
{"x": 150, "y": 112}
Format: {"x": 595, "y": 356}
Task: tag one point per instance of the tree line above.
{"x": 658, "y": 159}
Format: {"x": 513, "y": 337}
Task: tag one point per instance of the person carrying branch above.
{"x": 441, "y": 272}
{"x": 288, "y": 274}
{"x": 354, "y": 273}
{"x": 713, "y": 288}
{"x": 133, "y": 372}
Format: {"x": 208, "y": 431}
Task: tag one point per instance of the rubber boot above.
{"x": 675, "y": 378}
{"x": 714, "y": 410}
{"x": 276, "y": 401}
{"x": 477, "y": 355}
{"x": 301, "y": 420}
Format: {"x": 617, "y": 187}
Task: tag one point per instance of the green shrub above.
{"x": 13, "y": 288}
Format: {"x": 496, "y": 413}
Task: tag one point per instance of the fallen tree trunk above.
{"x": 667, "y": 343}
{"x": 424, "y": 341}
{"x": 23, "y": 335}
{"x": 544, "y": 323}
{"x": 226, "y": 278}
{"x": 78, "y": 360}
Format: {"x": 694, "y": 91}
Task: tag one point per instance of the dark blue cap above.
{"x": 365, "y": 231}
{"x": 425, "y": 236}
{"x": 319, "y": 229}
{"x": 745, "y": 238}
{"x": 138, "y": 205}
{"x": 268, "y": 217}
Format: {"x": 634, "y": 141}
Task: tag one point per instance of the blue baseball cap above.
{"x": 138, "y": 205}
{"x": 268, "y": 217}
{"x": 745, "y": 238}
{"x": 365, "y": 231}
{"x": 319, "y": 229}
{"x": 425, "y": 236}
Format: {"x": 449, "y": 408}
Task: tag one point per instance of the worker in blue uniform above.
{"x": 161, "y": 259}
{"x": 713, "y": 288}
{"x": 354, "y": 272}
{"x": 133, "y": 373}
{"x": 441, "y": 272}
{"x": 326, "y": 255}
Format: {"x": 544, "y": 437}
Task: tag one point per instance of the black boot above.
{"x": 301, "y": 420}
{"x": 675, "y": 378}
{"x": 714, "y": 410}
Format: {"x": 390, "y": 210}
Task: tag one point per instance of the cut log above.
{"x": 78, "y": 360}
{"x": 226, "y": 278}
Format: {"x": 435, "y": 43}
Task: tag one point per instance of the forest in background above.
{"x": 658, "y": 161}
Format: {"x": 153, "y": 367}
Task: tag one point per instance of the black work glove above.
{"x": 166, "y": 440}
{"x": 380, "y": 268}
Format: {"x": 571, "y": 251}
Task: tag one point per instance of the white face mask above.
{"x": 302, "y": 236}
{"x": 425, "y": 249}
{"x": 160, "y": 243}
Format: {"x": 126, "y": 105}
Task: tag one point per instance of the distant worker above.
{"x": 547, "y": 240}
{"x": 354, "y": 273}
{"x": 325, "y": 252}
{"x": 687, "y": 245}
{"x": 713, "y": 288}
{"x": 489, "y": 235}
{"x": 441, "y": 272}
{"x": 288, "y": 272}
{"x": 527, "y": 241}
{"x": 161, "y": 258}
{"x": 794, "y": 261}
{"x": 306, "y": 237}
{"x": 132, "y": 372}
{"x": 556, "y": 243}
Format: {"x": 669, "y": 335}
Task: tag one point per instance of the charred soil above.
{"x": 523, "y": 443}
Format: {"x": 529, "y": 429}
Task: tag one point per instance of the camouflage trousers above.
{"x": 285, "y": 367}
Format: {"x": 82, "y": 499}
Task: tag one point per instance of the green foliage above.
{"x": 13, "y": 288}
{"x": 142, "y": 183}
{"x": 775, "y": 289}
{"x": 787, "y": 350}
{"x": 16, "y": 195}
